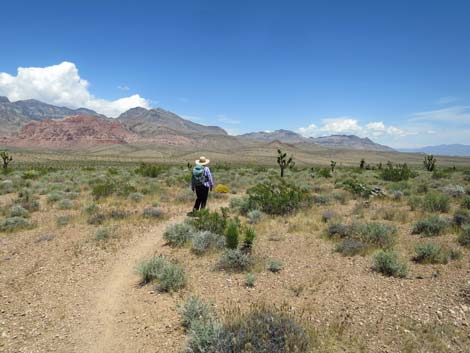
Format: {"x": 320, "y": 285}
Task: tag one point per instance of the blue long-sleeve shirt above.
{"x": 209, "y": 183}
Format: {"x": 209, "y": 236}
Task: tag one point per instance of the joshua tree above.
{"x": 284, "y": 162}
{"x": 429, "y": 162}
{"x": 7, "y": 158}
{"x": 363, "y": 163}
{"x": 332, "y": 166}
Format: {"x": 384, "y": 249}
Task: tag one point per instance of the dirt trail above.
{"x": 117, "y": 313}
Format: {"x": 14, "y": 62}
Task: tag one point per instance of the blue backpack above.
{"x": 199, "y": 176}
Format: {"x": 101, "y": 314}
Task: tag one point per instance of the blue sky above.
{"x": 396, "y": 71}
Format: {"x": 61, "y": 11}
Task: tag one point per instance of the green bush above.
{"x": 150, "y": 170}
{"x": 388, "y": 263}
{"x": 415, "y": 202}
{"x": 464, "y": 237}
{"x": 136, "y": 196}
{"x": 231, "y": 235}
{"x": 465, "y": 202}
{"x": 250, "y": 236}
{"x": 431, "y": 226}
{"x": 250, "y": 280}
{"x": 351, "y": 247}
{"x": 324, "y": 173}
{"x": 278, "y": 198}
{"x": 461, "y": 216}
{"x": 396, "y": 173}
{"x": 152, "y": 212}
{"x": 254, "y": 216}
{"x": 340, "y": 230}
{"x": 63, "y": 221}
{"x": 178, "y": 234}
{"x": 377, "y": 234}
{"x": 55, "y": 196}
{"x": 12, "y": 224}
{"x": 274, "y": 265}
{"x": 240, "y": 204}
{"x": 103, "y": 189}
{"x": 210, "y": 221}
{"x": 434, "y": 202}
{"x": 103, "y": 233}
{"x": 170, "y": 276}
{"x": 430, "y": 253}
{"x": 234, "y": 260}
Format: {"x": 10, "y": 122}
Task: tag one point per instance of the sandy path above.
{"x": 117, "y": 310}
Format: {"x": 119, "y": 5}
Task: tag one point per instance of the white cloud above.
{"x": 62, "y": 85}
{"x": 457, "y": 114}
{"x": 347, "y": 125}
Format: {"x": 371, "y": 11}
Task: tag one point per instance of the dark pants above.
{"x": 201, "y": 192}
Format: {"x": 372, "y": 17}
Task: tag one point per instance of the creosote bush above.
{"x": 431, "y": 226}
{"x": 388, "y": 263}
{"x": 211, "y": 221}
{"x": 170, "y": 276}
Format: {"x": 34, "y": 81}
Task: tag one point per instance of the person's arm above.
{"x": 209, "y": 178}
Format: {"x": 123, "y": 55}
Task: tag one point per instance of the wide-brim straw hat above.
{"x": 202, "y": 161}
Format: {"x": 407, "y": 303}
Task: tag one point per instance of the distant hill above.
{"x": 149, "y": 123}
{"x": 350, "y": 142}
{"x": 333, "y": 141}
{"x": 441, "y": 150}
{"x": 14, "y": 115}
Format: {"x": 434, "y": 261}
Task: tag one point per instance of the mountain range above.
{"x": 30, "y": 123}
{"x": 442, "y": 150}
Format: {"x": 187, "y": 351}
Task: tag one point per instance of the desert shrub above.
{"x": 178, "y": 234}
{"x": 398, "y": 172}
{"x": 356, "y": 188}
{"x": 204, "y": 336}
{"x": 211, "y": 221}
{"x": 278, "y": 198}
{"x": 117, "y": 213}
{"x": 12, "y": 224}
{"x": 170, "y": 276}
{"x": 340, "y": 230}
{"x": 274, "y": 265}
{"x": 152, "y": 212}
{"x": 55, "y": 196}
{"x": 103, "y": 189}
{"x": 397, "y": 195}
{"x": 461, "y": 216}
{"x": 222, "y": 189}
{"x": 422, "y": 188}
{"x": 195, "y": 310}
{"x": 327, "y": 216}
{"x": 434, "y": 202}
{"x": 136, "y": 196}
{"x": 351, "y": 247}
{"x": 388, "y": 263}
{"x": 27, "y": 200}
{"x": 430, "y": 253}
{"x": 454, "y": 190}
{"x": 249, "y": 239}
{"x": 415, "y": 202}
{"x": 241, "y": 204}
{"x": 254, "y": 216}
{"x": 263, "y": 329}
{"x": 150, "y": 170}
{"x": 91, "y": 208}
{"x": 439, "y": 174}
{"x": 72, "y": 195}
{"x": 465, "y": 203}
{"x": 392, "y": 214}
{"x": 250, "y": 280}
{"x": 65, "y": 204}
{"x": 31, "y": 174}
{"x": 202, "y": 241}
{"x": 63, "y": 221}
{"x": 231, "y": 235}
{"x": 377, "y": 234}
{"x": 6, "y": 187}
{"x": 19, "y": 211}
{"x": 234, "y": 260}
{"x": 321, "y": 199}
{"x": 96, "y": 218}
{"x": 324, "y": 173}
{"x": 103, "y": 233}
{"x": 431, "y": 226}
{"x": 464, "y": 236}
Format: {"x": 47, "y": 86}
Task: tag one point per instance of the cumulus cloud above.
{"x": 62, "y": 85}
{"x": 347, "y": 125}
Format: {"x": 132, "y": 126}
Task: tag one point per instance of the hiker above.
{"x": 201, "y": 183}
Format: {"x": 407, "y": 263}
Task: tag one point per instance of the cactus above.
{"x": 7, "y": 158}
{"x": 284, "y": 162}
{"x": 429, "y": 162}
